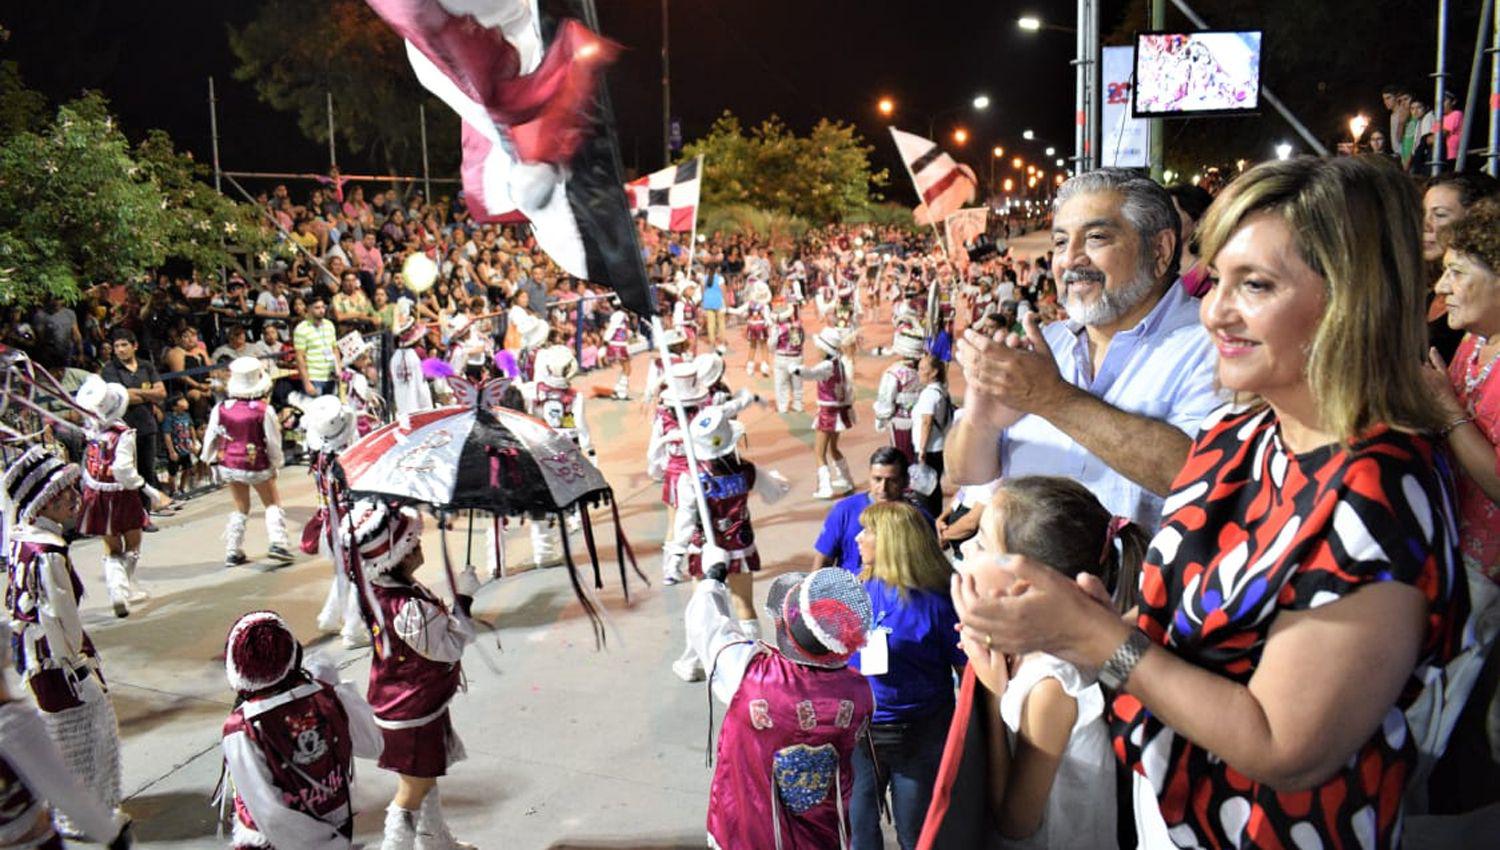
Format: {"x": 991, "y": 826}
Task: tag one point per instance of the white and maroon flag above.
{"x": 668, "y": 199}
{"x": 537, "y": 131}
{"x": 943, "y": 185}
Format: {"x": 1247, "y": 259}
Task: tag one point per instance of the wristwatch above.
{"x": 1117, "y": 669}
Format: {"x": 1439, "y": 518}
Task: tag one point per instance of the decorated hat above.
{"x": 328, "y": 423}
{"x": 909, "y": 343}
{"x": 555, "y": 366}
{"x": 760, "y": 292}
{"x": 106, "y": 401}
{"x": 382, "y": 534}
{"x": 260, "y": 652}
{"x": 353, "y": 346}
{"x": 248, "y": 378}
{"x": 821, "y": 617}
{"x": 714, "y": 433}
{"x": 831, "y": 340}
{"x": 685, "y": 384}
{"x": 32, "y": 482}
{"x": 710, "y": 367}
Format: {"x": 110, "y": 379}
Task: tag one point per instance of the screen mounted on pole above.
{"x": 1197, "y": 73}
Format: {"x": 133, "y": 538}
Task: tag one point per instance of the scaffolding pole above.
{"x": 1471, "y": 97}
{"x": 426, "y": 174}
{"x": 1439, "y": 82}
{"x": 213, "y": 135}
{"x": 333, "y": 156}
{"x": 1493, "y": 154}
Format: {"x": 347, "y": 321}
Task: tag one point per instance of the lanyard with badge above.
{"x": 875, "y": 656}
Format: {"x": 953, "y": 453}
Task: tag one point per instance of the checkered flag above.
{"x": 668, "y": 198}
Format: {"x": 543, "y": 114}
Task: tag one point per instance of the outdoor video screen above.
{"x": 1199, "y": 73}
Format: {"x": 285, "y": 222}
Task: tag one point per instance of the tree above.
{"x": 296, "y": 53}
{"x": 824, "y": 176}
{"x": 201, "y": 226}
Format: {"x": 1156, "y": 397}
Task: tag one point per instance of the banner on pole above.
{"x": 1126, "y": 142}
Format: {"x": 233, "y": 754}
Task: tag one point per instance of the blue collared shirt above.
{"x": 1162, "y": 368}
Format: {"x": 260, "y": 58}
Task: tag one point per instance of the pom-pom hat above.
{"x": 260, "y": 652}
{"x": 32, "y": 482}
{"x": 382, "y": 534}
{"x": 821, "y": 618}
{"x": 106, "y": 401}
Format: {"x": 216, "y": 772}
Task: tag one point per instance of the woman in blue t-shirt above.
{"x": 910, "y": 658}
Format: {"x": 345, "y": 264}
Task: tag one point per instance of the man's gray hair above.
{"x": 1147, "y": 207}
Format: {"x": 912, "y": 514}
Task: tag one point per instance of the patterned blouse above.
{"x": 1252, "y": 529}
{"x": 1478, "y": 517}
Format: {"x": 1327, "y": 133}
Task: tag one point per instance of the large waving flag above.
{"x": 538, "y": 138}
{"x": 943, "y": 185}
{"x": 668, "y": 199}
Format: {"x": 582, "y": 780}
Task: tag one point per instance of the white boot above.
{"x": 749, "y": 367}
{"x": 355, "y": 634}
{"x": 825, "y": 486}
{"x": 137, "y": 593}
{"x": 622, "y": 388}
{"x": 234, "y": 539}
{"x": 118, "y": 584}
{"x": 673, "y": 565}
{"x": 400, "y": 829}
{"x": 765, "y": 369}
{"x": 432, "y": 830}
{"x": 332, "y": 614}
{"x": 276, "y": 534}
{"x": 840, "y": 482}
{"x": 688, "y": 667}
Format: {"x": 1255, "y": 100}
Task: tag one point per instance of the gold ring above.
{"x": 988, "y": 641}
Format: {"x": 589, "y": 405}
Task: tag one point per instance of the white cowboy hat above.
{"x": 710, "y": 368}
{"x": 352, "y": 346}
{"x": 105, "y": 400}
{"x": 555, "y": 366}
{"x": 328, "y": 423}
{"x": 830, "y": 340}
{"x": 684, "y": 384}
{"x": 714, "y": 433}
{"x": 248, "y": 378}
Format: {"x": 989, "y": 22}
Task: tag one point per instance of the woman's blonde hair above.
{"x": 1357, "y": 223}
{"x": 907, "y": 554}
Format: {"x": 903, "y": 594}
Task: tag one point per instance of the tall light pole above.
{"x": 666, "y": 91}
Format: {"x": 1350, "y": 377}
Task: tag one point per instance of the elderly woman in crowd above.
{"x": 1445, "y": 202}
{"x": 1305, "y": 582}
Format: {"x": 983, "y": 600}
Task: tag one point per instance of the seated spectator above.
{"x": 273, "y": 304}
{"x": 187, "y": 354}
{"x": 836, "y": 545}
{"x": 237, "y": 343}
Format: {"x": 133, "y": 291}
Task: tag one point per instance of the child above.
{"x": 243, "y": 438}
{"x": 290, "y": 742}
{"x": 54, "y": 655}
{"x": 617, "y": 336}
{"x": 415, "y": 675}
{"x": 786, "y": 340}
{"x": 354, "y": 377}
{"x": 795, "y": 710}
{"x": 182, "y": 446}
{"x": 835, "y": 377}
{"x": 897, "y": 395}
{"x": 1052, "y": 781}
{"x": 757, "y": 313}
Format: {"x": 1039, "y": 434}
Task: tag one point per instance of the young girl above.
{"x": 243, "y": 437}
{"x": 834, "y": 375}
{"x": 617, "y": 337}
{"x": 1051, "y": 771}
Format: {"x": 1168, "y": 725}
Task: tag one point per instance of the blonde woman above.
{"x": 909, "y": 660}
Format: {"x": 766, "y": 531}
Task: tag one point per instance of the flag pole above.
{"x": 693, "y": 238}
{"x": 942, "y": 243}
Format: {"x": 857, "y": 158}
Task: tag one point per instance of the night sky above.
{"x": 801, "y": 59}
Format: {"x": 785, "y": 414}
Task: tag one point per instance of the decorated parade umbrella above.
{"x": 491, "y": 459}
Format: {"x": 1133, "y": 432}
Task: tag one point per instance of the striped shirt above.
{"x": 315, "y": 341}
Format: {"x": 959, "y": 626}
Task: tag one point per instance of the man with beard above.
{"x": 1111, "y": 396}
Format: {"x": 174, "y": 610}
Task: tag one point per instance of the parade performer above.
{"x": 834, "y": 375}
{"x": 354, "y": 355}
{"x": 408, "y": 385}
{"x": 795, "y": 711}
{"x": 243, "y": 437}
{"x": 111, "y": 507}
{"x": 757, "y": 313}
{"x": 794, "y": 275}
{"x": 417, "y": 674}
{"x": 328, "y": 427}
{"x": 617, "y": 338}
{"x": 685, "y": 311}
{"x": 55, "y": 656}
{"x": 899, "y": 387}
{"x": 666, "y": 460}
{"x": 552, "y": 399}
{"x": 656, "y": 375}
{"x": 36, "y": 786}
{"x": 290, "y": 742}
{"x": 728, "y": 480}
{"x": 845, "y": 312}
{"x": 786, "y": 340}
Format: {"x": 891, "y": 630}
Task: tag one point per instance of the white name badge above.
{"x": 875, "y": 657}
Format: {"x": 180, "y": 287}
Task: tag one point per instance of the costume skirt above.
{"x": 832, "y": 420}
{"x": 425, "y": 751}
{"x": 110, "y": 512}
{"x": 757, "y": 333}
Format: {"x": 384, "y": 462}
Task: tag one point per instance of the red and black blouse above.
{"x": 1252, "y": 529}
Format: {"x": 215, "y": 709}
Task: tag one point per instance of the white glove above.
{"x": 322, "y": 668}
{"x": 775, "y": 486}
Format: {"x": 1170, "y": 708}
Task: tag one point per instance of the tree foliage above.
{"x": 79, "y": 206}
{"x": 823, "y": 176}
{"x": 297, "y": 53}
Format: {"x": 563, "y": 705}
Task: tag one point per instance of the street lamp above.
{"x": 886, "y": 106}
{"x": 981, "y": 102}
{"x": 1061, "y": 162}
{"x": 1051, "y": 151}
{"x": 997, "y": 152}
{"x": 1030, "y": 23}
{"x": 1284, "y": 150}
{"x": 960, "y": 136}
{"x": 1009, "y": 184}
{"x": 1017, "y": 163}
{"x": 1028, "y": 135}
